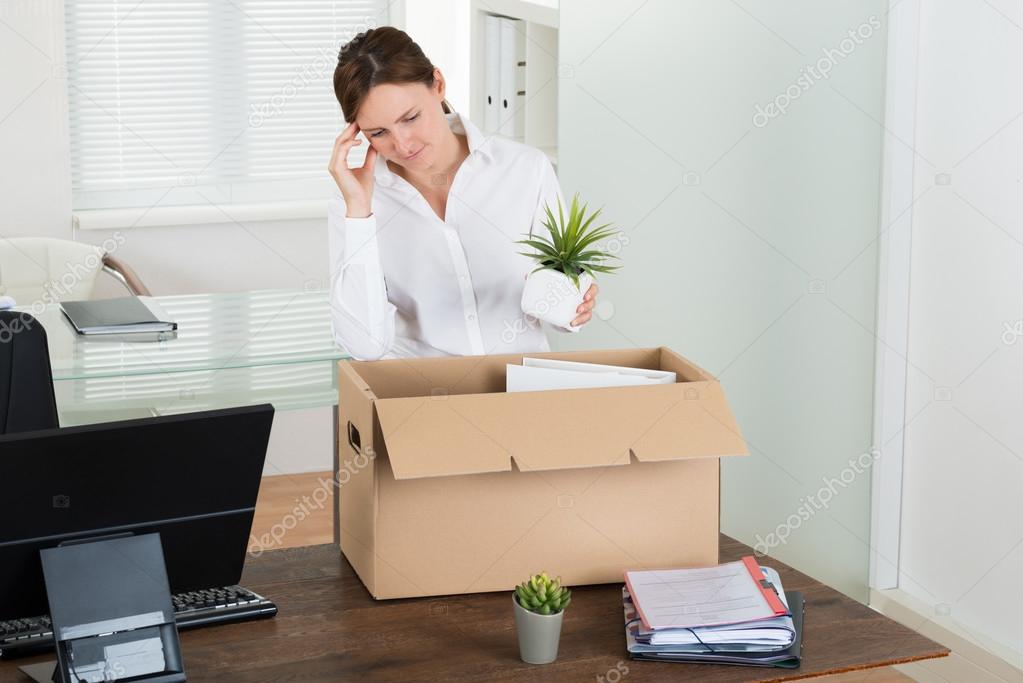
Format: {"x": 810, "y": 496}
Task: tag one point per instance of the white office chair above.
{"x": 52, "y": 270}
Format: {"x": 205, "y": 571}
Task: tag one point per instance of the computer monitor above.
{"x": 193, "y": 478}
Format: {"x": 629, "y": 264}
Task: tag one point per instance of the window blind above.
{"x": 177, "y": 102}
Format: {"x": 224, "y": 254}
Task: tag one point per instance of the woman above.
{"x": 422, "y": 236}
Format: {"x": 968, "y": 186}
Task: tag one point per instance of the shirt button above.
{"x": 471, "y": 316}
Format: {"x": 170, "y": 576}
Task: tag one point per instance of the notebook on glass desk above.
{"x": 125, "y": 315}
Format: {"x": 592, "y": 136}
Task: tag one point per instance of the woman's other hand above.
{"x": 356, "y": 184}
{"x": 585, "y": 309}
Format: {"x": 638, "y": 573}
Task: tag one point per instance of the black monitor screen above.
{"x": 193, "y": 478}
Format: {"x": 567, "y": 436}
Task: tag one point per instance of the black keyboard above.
{"x": 20, "y": 637}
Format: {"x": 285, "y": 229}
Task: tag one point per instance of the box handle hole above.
{"x": 353, "y": 438}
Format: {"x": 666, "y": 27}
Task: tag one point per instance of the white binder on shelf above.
{"x": 512, "y": 109}
{"x": 492, "y": 75}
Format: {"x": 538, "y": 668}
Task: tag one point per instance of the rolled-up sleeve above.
{"x": 362, "y": 318}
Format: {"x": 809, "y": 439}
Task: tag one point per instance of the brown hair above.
{"x": 374, "y": 57}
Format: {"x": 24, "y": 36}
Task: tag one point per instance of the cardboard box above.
{"x": 450, "y": 485}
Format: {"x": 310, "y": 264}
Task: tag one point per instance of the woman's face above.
{"x": 405, "y": 123}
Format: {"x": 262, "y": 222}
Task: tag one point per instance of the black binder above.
{"x": 789, "y": 658}
{"x": 124, "y": 315}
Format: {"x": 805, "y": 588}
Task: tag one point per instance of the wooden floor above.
{"x": 295, "y": 510}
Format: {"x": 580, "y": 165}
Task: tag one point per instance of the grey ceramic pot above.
{"x": 538, "y": 634}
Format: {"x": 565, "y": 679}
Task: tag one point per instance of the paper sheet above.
{"x": 686, "y": 598}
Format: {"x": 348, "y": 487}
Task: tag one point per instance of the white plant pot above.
{"x": 551, "y": 296}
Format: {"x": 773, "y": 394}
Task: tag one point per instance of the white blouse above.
{"x": 406, "y": 283}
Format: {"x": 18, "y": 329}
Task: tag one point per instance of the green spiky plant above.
{"x": 542, "y": 594}
{"x": 570, "y": 247}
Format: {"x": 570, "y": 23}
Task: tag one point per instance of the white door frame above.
{"x": 894, "y": 255}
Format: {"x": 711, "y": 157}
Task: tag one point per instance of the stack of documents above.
{"x": 540, "y": 374}
{"x": 735, "y": 613}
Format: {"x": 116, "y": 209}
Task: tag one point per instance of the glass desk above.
{"x": 230, "y": 350}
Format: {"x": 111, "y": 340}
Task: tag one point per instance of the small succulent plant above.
{"x": 542, "y": 594}
{"x": 568, "y": 248}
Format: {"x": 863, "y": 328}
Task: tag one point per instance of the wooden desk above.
{"x": 330, "y": 629}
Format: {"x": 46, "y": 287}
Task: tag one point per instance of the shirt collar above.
{"x": 478, "y": 145}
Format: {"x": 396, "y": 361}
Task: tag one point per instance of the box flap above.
{"x": 548, "y": 430}
{"x": 426, "y": 437}
{"x": 697, "y": 424}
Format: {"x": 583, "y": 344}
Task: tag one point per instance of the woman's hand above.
{"x": 586, "y": 307}
{"x": 356, "y": 184}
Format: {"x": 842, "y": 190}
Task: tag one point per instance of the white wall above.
{"x": 749, "y": 248}
{"x": 35, "y": 177}
{"x": 35, "y": 197}
{"x": 962, "y": 523}
{"x": 441, "y": 28}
